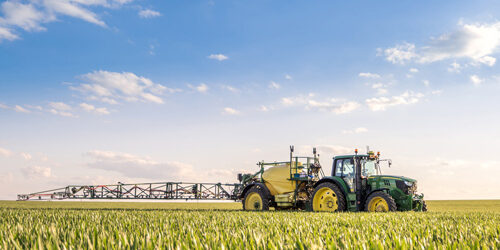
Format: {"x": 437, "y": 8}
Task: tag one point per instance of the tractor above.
{"x": 355, "y": 184}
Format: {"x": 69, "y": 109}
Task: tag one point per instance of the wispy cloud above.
{"x": 60, "y": 108}
{"x": 230, "y": 88}
{"x": 475, "y": 41}
{"x": 382, "y": 103}
{"x": 16, "y": 108}
{"x": 230, "y": 111}
{"x": 147, "y": 13}
{"x": 138, "y": 166}
{"x": 31, "y": 16}
{"x": 476, "y": 80}
{"x": 5, "y": 152}
{"x": 274, "y": 85}
{"x": 109, "y": 87}
{"x": 355, "y": 131}
{"x": 369, "y": 75}
{"x": 202, "y": 88}
{"x": 218, "y": 57}
{"x": 332, "y": 105}
{"x": 20, "y": 109}
{"x": 92, "y": 109}
{"x": 37, "y": 172}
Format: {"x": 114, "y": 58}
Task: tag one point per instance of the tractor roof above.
{"x": 349, "y": 156}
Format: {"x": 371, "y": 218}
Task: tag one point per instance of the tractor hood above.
{"x": 393, "y": 177}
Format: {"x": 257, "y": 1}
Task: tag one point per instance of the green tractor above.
{"x": 355, "y": 184}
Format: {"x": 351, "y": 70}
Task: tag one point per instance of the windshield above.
{"x": 368, "y": 168}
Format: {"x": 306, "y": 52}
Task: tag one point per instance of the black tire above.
{"x": 380, "y": 194}
{"x": 424, "y": 207}
{"x": 341, "y": 203}
{"x": 265, "y": 200}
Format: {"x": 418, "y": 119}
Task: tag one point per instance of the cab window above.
{"x": 338, "y": 168}
{"x": 348, "y": 168}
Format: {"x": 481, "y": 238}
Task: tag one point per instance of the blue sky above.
{"x": 101, "y": 91}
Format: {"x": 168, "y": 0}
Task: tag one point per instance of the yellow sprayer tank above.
{"x": 277, "y": 178}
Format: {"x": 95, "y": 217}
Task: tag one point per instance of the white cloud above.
{"x": 5, "y": 152}
{"x": 108, "y": 86}
{"x": 380, "y": 87}
{"x": 400, "y": 54}
{"x": 476, "y": 80}
{"x": 330, "y": 105}
{"x": 382, "y": 103}
{"x": 264, "y": 108}
{"x": 454, "y": 67}
{"x": 288, "y": 77}
{"x": 20, "y": 109}
{"x": 6, "y": 34}
{"x": 274, "y": 85}
{"x": 147, "y": 13}
{"x": 60, "y": 106}
{"x": 16, "y": 108}
{"x": 72, "y": 9}
{"x": 135, "y": 166}
{"x": 355, "y": 131}
{"x": 25, "y": 16}
{"x": 26, "y": 156}
{"x": 345, "y": 108}
{"x": 230, "y": 111}
{"x": 202, "y": 88}
{"x": 61, "y": 113}
{"x": 231, "y": 88}
{"x": 37, "y": 172}
{"x": 218, "y": 57}
{"x": 414, "y": 70}
{"x": 476, "y": 42}
{"x": 139, "y": 167}
{"x": 426, "y": 83}
{"x": 91, "y": 108}
{"x": 369, "y": 75}
{"x": 31, "y": 16}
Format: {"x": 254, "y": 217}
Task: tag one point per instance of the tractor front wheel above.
{"x": 255, "y": 199}
{"x": 380, "y": 202}
{"x": 327, "y": 197}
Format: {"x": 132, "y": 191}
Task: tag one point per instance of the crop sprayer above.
{"x": 355, "y": 184}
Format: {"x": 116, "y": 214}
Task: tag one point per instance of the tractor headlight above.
{"x": 409, "y": 184}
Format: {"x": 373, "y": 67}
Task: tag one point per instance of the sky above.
{"x": 102, "y": 91}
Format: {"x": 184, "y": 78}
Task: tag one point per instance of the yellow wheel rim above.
{"x": 325, "y": 199}
{"x": 253, "y": 201}
{"x": 378, "y": 204}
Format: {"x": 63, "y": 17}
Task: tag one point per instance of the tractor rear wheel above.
{"x": 327, "y": 197}
{"x": 380, "y": 202}
{"x": 255, "y": 199}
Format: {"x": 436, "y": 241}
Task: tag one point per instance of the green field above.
{"x": 117, "y": 225}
